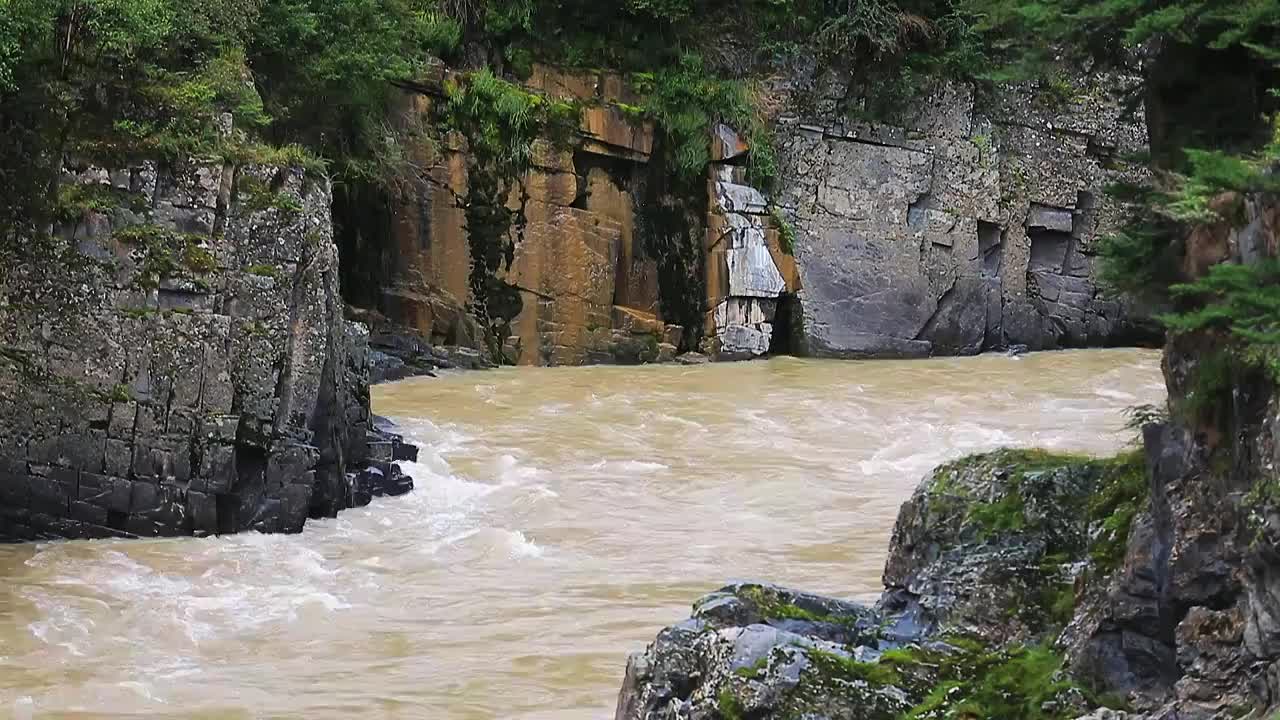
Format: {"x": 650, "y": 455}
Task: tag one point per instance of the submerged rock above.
{"x": 397, "y": 352}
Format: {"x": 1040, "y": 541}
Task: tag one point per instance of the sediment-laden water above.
{"x": 562, "y": 517}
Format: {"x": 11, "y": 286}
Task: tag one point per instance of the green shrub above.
{"x": 685, "y": 100}
{"x": 786, "y": 233}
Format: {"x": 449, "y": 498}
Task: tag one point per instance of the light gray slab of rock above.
{"x": 753, "y": 339}
{"x": 737, "y": 198}
{"x": 752, "y": 273}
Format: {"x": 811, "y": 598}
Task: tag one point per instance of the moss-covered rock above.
{"x": 980, "y": 580}
{"x": 991, "y": 545}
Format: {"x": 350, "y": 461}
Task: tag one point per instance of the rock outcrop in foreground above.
{"x": 1014, "y": 588}
{"x": 984, "y": 558}
{"x": 174, "y": 360}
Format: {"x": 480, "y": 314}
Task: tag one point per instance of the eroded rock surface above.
{"x": 969, "y": 225}
{"x": 175, "y": 361}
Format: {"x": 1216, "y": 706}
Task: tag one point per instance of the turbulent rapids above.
{"x": 562, "y": 516}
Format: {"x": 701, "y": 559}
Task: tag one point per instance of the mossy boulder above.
{"x": 981, "y": 578}
{"x": 991, "y": 546}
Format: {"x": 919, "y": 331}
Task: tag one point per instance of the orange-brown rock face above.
{"x": 576, "y": 251}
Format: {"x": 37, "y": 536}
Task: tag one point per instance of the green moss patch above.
{"x": 1121, "y": 493}
{"x": 773, "y": 605}
{"x": 1025, "y": 683}
{"x": 163, "y": 253}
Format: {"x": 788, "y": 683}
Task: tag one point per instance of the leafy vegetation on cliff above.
{"x": 107, "y": 81}
{"x": 500, "y": 122}
{"x": 315, "y": 82}
{"x": 1211, "y": 86}
{"x": 1238, "y": 303}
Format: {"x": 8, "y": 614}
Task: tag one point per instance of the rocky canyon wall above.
{"x": 175, "y": 360}
{"x": 970, "y": 225}
{"x": 584, "y": 287}
{"x": 1189, "y": 626}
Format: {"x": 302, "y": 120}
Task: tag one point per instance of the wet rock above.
{"x": 397, "y": 353}
{"x": 193, "y": 373}
{"x": 383, "y": 480}
{"x": 965, "y": 588}
{"x": 982, "y": 543}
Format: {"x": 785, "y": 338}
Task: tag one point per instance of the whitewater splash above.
{"x": 559, "y": 518}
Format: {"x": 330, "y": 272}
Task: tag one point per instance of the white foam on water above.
{"x": 520, "y": 546}
{"x": 451, "y": 540}
{"x": 443, "y": 490}
{"x": 61, "y": 626}
{"x": 1115, "y": 394}
{"x": 572, "y": 526}
{"x": 141, "y": 689}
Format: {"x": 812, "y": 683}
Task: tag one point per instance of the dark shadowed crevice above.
{"x": 362, "y": 230}
{"x": 990, "y": 248}
{"x": 786, "y": 326}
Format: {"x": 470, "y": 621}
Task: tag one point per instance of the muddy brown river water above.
{"x": 562, "y": 517}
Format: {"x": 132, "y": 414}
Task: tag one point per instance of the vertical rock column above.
{"x": 742, "y": 253}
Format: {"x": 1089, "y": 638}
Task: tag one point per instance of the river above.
{"x": 562, "y": 517}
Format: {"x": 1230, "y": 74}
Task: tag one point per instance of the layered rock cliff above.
{"x": 967, "y": 225}
{"x": 174, "y": 360}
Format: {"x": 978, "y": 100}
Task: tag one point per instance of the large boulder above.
{"x": 981, "y": 575}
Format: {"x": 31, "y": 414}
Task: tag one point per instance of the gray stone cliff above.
{"x": 970, "y": 226}
{"x": 174, "y": 360}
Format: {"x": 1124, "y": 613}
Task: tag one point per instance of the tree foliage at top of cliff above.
{"x": 1208, "y": 66}
{"x": 1038, "y": 31}
{"x": 644, "y": 34}
{"x": 696, "y": 60}
{"x": 1211, "y": 85}
{"x": 1211, "y": 89}
{"x": 107, "y": 81}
